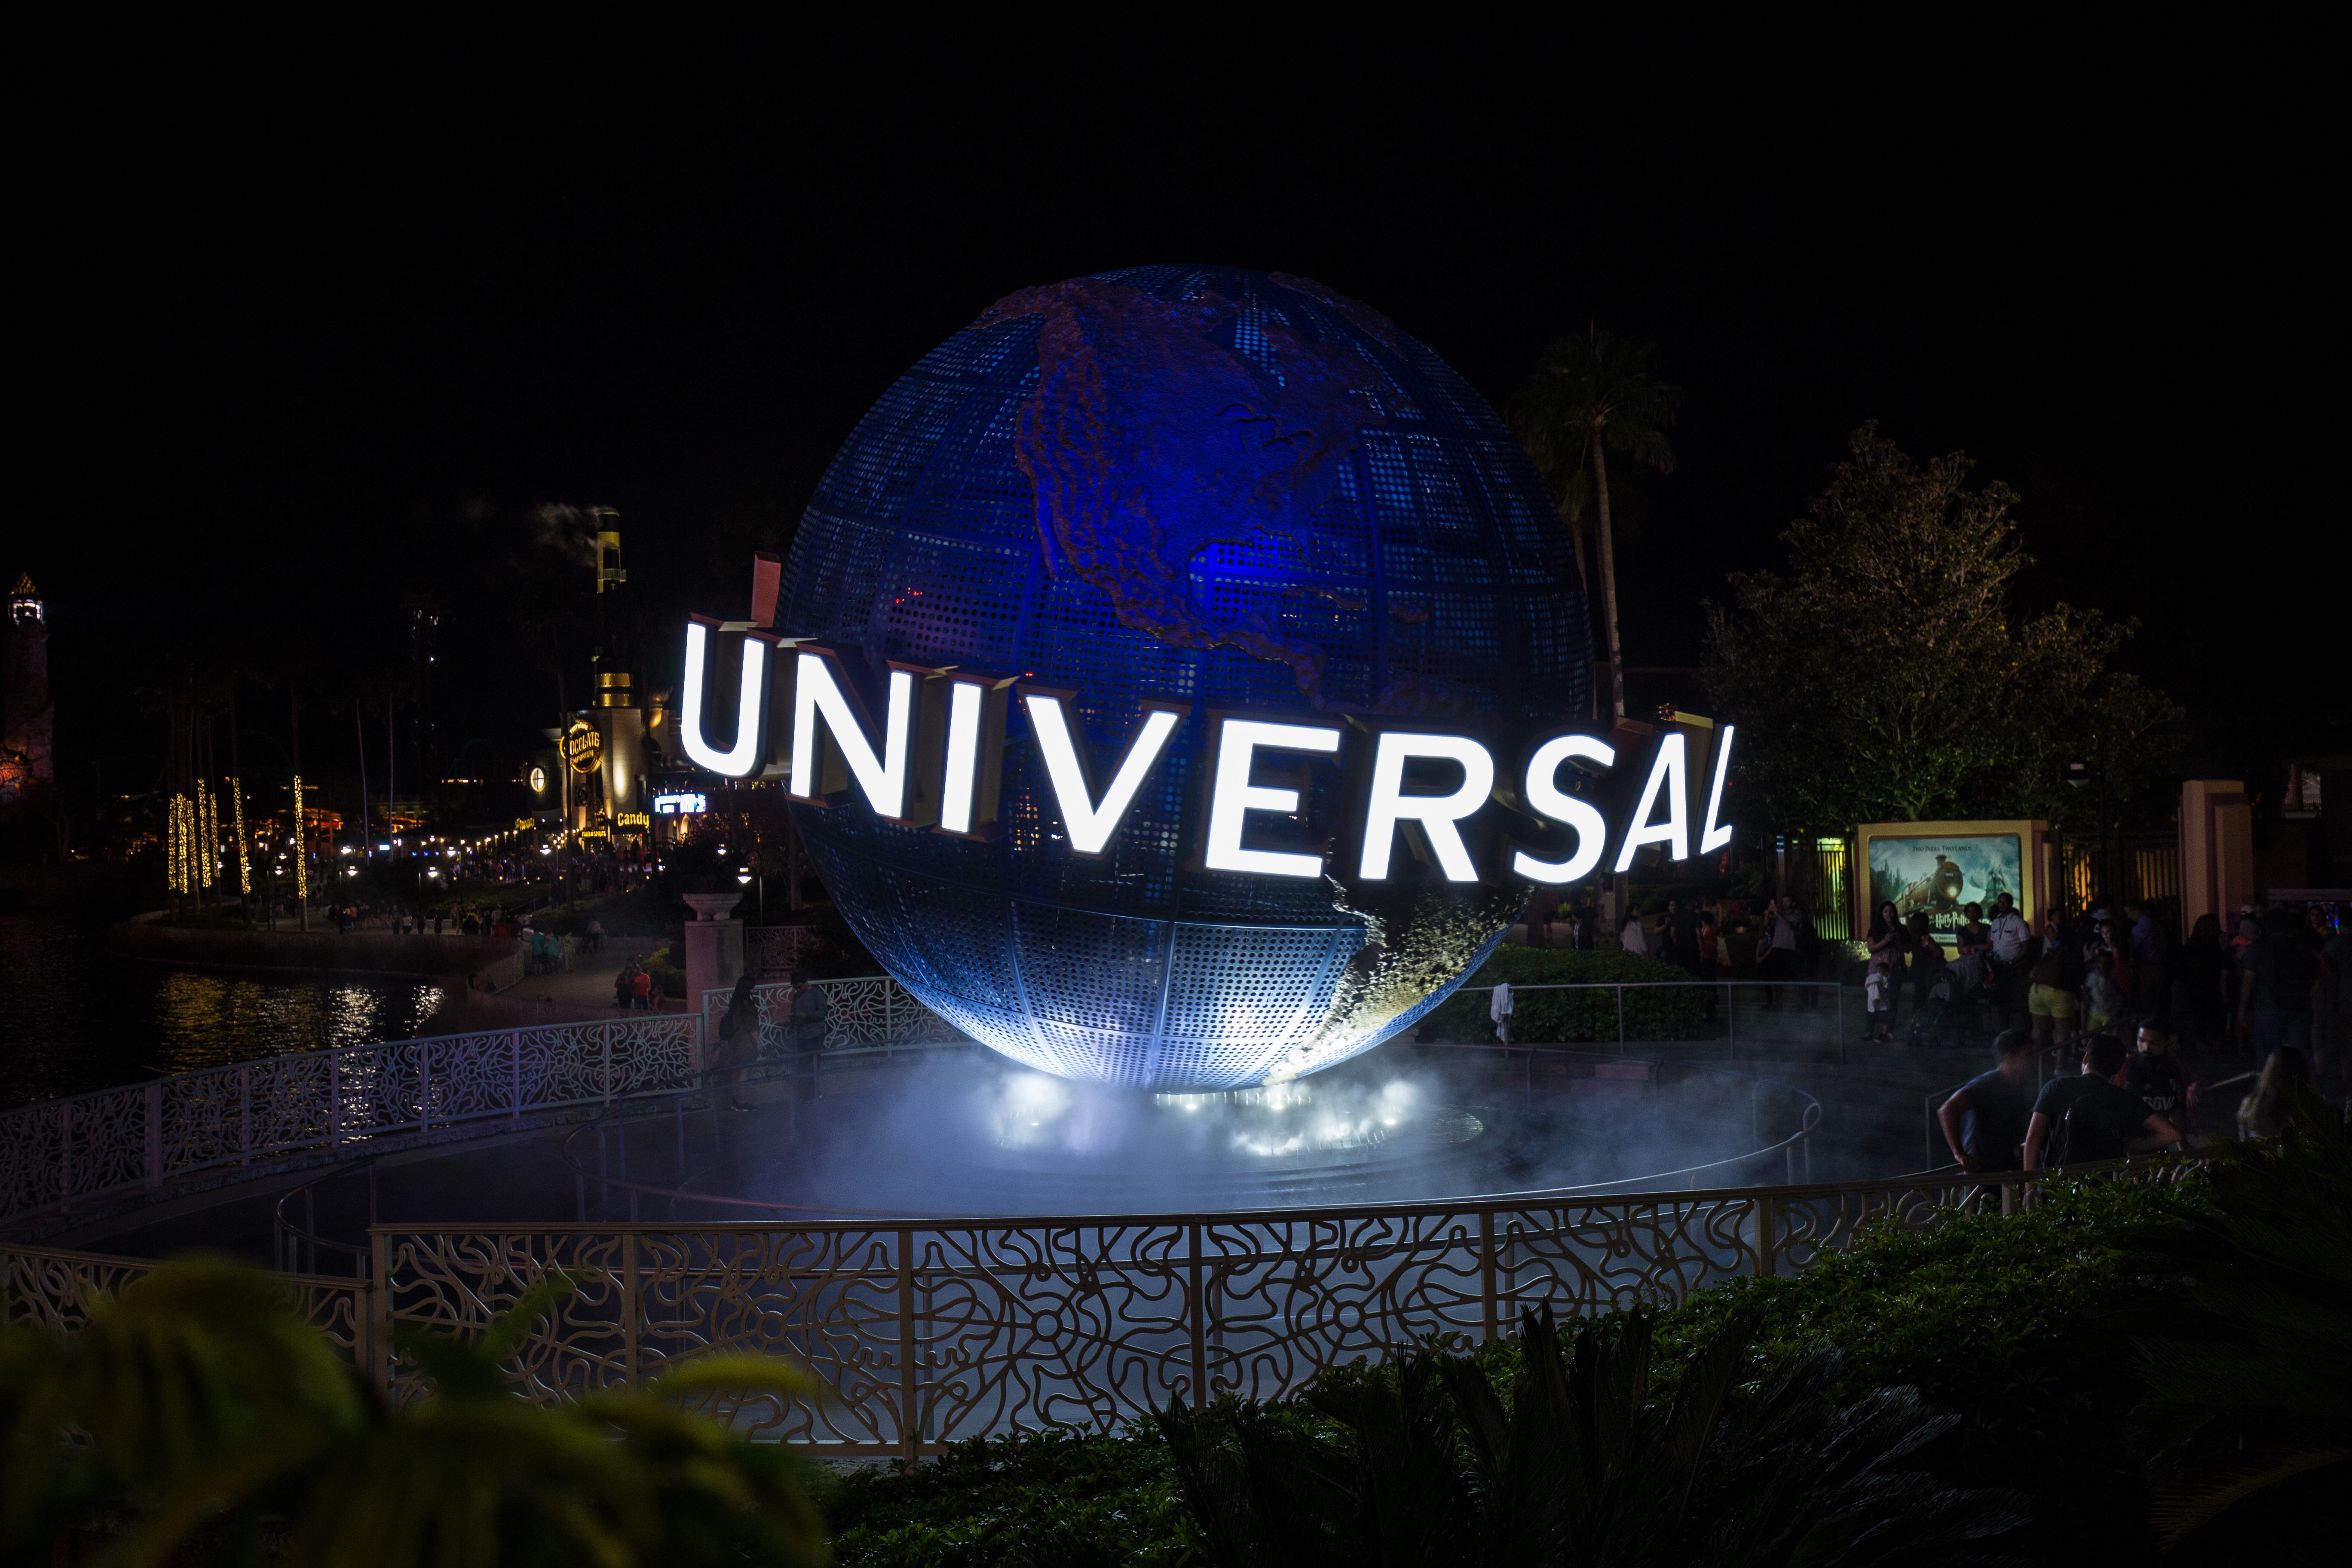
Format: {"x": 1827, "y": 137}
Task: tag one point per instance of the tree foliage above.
{"x": 1888, "y": 677}
{"x": 2249, "y": 1366}
{"x": 198, "y": 1409}
{"x": 1578, "y": 1459}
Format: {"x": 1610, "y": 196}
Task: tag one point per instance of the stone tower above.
{"x": 27, "y": 716}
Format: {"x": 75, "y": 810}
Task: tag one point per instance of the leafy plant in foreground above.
{"x": 2248, "y": 1374}
{"x": 198, "y": 1405}
{"x": 1581, "y": 1461}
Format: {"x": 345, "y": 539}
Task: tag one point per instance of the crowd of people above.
{"x": 2283, "y": 980}
{"x": 1693, "y": 933}
{"x": 2112, "y": 1004}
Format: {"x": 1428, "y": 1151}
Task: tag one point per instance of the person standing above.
{"x": 2276, "y": 978}
{"x": 2050, "y": 997}
{"x": 1632, "y": 938}
{"x": 641, "y": 987}
{"x": 623, "y": 985}
{"x": 1683, "y": 915}
{"x": 1984, "y": 1121}
{"x": 2153, "y": 1072}
{"x": 739, "y": 1042}
{"x": 2083, "y": 1117}
{"x": 2009, "y": 931}
{"x": 1808, "y": 960}
{"x": 811, "y": 1008}
{"x": 2148, "y": 954}
{"x": 1778, "y": 947}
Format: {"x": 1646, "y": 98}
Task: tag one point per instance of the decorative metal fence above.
{"x": 54, "y": 1288}
{"x": 63, "y": 1151}
{"x": 928, "y": 1333}
{"x": 862, "y": 1013}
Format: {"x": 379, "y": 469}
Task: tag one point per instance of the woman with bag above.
{"x": 739, "y": 1043}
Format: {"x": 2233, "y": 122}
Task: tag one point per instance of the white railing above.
{"x": 870, "y": 1010}
{"x": 64, "y": 1152}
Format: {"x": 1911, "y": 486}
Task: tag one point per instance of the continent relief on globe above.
{"x": 1148, "y": 440}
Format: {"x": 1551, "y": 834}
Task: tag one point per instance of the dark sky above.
{"x": 286, "y": 369}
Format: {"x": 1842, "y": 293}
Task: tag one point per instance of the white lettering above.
{"x": 1544, "y": 793}
{"x": 1437, "y": 814}
{"x": 962, "y": 775}
{"x": 883, "y": 778}
{"x": 1231, "y": 795}
{"x": 1091, "y": 826}
{"x": 750, "y": 709}
{"x": 1668, "y": 773}
{"x": 1712, "y": 838}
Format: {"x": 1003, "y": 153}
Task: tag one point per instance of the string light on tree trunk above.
{"x": 237, "y": 817}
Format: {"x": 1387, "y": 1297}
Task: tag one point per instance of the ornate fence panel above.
{"x": 928, "y": 1333}
{"x": 863, "y": 1013}
{"x": 56, "y": 1289}
{"x": 62, "y": 1151}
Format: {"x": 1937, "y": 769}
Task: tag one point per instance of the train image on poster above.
{"x": 1940, "y": 876}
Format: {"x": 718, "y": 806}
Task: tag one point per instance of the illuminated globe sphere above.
{"x": 1210, "y": 486}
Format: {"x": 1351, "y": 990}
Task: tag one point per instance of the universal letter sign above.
{"x": 1464, "y": 800}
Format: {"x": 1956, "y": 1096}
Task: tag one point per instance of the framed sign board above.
{"x": 1938, "y": 868}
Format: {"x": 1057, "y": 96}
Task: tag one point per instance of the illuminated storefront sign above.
{"x": 632, "y": 821}
{"x": 583, "y": 747}
{"x": 685, "y": 803}
{"x": 1480, "y": 800}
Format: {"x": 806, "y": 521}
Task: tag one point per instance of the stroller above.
{"x": 1951, "y": 1006}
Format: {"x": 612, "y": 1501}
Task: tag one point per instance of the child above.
{"x": 1878, "y": 988}
{"x": 2101, "y": 1001}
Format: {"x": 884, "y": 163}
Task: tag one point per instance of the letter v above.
{"x": 1090, "y": 825}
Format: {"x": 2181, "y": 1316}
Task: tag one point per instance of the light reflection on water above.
{"x": 75, "y": 1019}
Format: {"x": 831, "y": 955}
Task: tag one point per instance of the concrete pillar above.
{"x": 714, "y": 951}
{"x": 2216, "y": 852}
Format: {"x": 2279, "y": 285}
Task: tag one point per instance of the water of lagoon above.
{"x": 73, "y": 1018}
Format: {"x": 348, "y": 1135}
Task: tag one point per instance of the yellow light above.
{"x": 301, "y": 851}
{"x": 244, "y": 866}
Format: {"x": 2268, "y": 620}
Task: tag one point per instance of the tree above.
{"x": 1887, "y": 678}
{"x": 1590, "y": 393}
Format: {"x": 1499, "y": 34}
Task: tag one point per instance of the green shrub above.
{"x": 1573, "y": 1016}
{"x": 668, "y": 976}
{"x": 1042, "y": 1498}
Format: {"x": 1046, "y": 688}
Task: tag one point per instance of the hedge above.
{"x": 1563, "y": 1017}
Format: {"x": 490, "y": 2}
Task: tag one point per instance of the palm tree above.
{"x": 1589, "y": 392}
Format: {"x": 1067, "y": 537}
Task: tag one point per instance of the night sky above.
{"x": 287, "y": 374}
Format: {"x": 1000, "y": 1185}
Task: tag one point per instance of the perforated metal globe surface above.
{"x": 1209, "y": 486}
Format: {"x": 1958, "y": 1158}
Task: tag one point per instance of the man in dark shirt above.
{"x": 1984, "y": 1121}
{"x": 1683, "y": 918}
{"x": 2275, "y": 980}
{"x": 2154, "y": 1073}
{"x": 2085, "y": 1117}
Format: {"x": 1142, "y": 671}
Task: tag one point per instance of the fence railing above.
{"x": 64, "y": 1152}
{"x": 58, "y": 1153}
{"x": 862, "y": 1013}
{"x": 930, "y": 1331}
{"x": 1777, "y": 1012}
{"x": 54, "y": 1288}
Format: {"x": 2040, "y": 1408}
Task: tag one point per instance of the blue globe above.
{"x": 1216, "y": 486}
